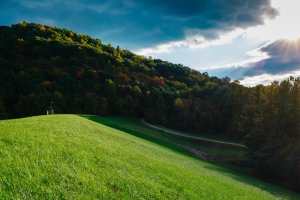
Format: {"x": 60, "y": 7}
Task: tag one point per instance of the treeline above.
{"x": 40, "y": 64}
{"x": 268, "y": 119}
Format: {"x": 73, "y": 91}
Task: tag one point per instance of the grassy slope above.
{"x": 135, "y": 127}
{"x": 69, "y": 157}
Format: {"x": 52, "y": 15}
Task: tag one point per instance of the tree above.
{"x": 109, "y": 92}
{"x": 178, "y": 104}
{"x": 160, "y": 110}
{"x": 3, "y": 114}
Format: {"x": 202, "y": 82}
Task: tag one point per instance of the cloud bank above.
{"x": 274, "y": 61}
{"x": 136, "y": 24}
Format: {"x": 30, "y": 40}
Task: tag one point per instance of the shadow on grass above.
{"x": 270, "y": 188}
{"x": 138, "y": 133}
{"x": 122, "y": 126}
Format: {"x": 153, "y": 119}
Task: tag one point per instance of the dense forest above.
{"x": 42, "y": 64}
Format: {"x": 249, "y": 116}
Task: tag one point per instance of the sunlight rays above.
{"x": 283, "y": 27}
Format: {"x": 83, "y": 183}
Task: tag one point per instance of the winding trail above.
{"x": 188, "y": 136}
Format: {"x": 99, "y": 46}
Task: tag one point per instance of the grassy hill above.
{"x": 70, "y": 157}
{"x": 220, "y": 152}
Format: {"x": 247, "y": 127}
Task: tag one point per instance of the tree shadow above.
{"x": 267, "y": 187}
{"x": 274, "y": 190}
{"x": 140, "y": 134}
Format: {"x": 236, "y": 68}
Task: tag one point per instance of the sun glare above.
{"x": 283, "y": 26}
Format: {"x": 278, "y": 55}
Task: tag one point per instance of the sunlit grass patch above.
{"x": 69, "y": 157}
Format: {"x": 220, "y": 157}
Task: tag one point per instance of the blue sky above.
{"x": 253, "y": 41}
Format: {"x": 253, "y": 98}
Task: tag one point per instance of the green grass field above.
{"x": 135, "y": 127}
{"x": 71, "y": 157}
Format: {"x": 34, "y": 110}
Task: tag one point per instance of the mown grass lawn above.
{"x": 69, "y": 157}
{"x": 175, "y": 142}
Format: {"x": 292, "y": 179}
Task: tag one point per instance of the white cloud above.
{"x": 160, "y": 48}
{"x": 250, "y": 59}
{"x": 192, "y": 41}
{"x": 196, "y": 42}
{"x": 283, "y": 27}
{"x": 266, "y": 79}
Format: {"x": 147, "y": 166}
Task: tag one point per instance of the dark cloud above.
{"x": 284, "y": 58}
{"x": 138, "y": 23}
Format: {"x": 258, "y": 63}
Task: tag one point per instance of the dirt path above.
{"x": 187, "y": 136}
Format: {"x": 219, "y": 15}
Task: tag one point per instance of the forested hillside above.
{"x": 40, "y": 64}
